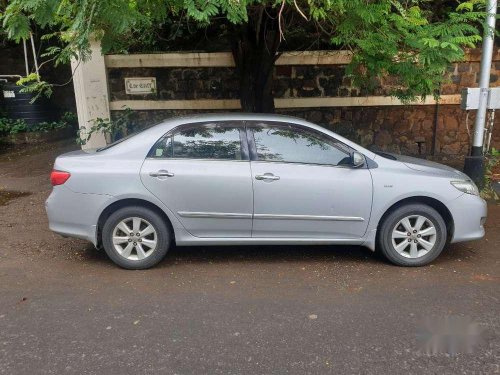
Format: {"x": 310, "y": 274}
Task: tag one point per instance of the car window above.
{"x": 294, "y": 144}
{"x": 206, "y": 141}
{"x": 127, "y": 137}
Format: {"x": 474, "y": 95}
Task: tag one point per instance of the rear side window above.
{"x": 130, "y": 135}
{"x": 205, "y": 141}
{"x": 291, "y": 144}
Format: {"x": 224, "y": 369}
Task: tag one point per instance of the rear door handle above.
{"x": 162, "y": 173}
{"x": 267, "y": 177}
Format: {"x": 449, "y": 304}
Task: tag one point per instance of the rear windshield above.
{"x": 133, "y": 133}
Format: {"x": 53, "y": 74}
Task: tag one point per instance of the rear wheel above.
{"x": 135, "y": 237}
{"x": 412, "y": 235}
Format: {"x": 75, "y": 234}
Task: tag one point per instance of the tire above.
{"x": 131, "y": 251}
{"x": 395, "y": 224}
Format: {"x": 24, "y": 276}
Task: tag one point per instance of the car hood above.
{"x": 428, "y": 166}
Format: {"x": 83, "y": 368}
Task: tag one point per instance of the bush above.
{"x": 115, "y": 129}
{"x": 70, "y": 118}
{"x": 10, "y": 126}
{"x": 492, "y": 160}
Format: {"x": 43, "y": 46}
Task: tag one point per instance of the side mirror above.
{"x": 357, "y": 159}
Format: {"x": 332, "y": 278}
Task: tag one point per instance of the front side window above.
{"x": 206, "y": 141}
{"x": 291, "y": 144}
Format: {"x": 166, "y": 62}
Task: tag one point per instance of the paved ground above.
{"x": 64, "y": 308}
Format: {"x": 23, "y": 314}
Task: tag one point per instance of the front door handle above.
{"x": 267, "y": 177}
{"x": 161, "y": 173}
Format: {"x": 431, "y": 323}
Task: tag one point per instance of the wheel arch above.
{"x": 439, "y": 206}
{"x": 127, "y": 202}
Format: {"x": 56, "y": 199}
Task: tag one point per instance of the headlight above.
{"x": 467, "y": 187}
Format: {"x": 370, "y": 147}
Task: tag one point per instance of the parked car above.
{"x": 240, "y": 179}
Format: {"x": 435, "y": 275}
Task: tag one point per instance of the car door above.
{"x": 304, "y": 186}
{"x": 201, "y": 172}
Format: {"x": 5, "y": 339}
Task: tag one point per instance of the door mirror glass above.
{"x": 358, "y": 159}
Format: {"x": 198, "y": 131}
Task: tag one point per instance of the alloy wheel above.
{"x": 134, "y": 238}
{"x": 414, "y": 236}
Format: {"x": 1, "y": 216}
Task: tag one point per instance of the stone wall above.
{"x": 406, "y": 129}
{"x": 409, "y": 129}
{"x": 178, "y": 83}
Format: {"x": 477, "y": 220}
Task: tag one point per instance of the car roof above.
{"x": 228, "y": 116}
{"x": 146, "y": 138}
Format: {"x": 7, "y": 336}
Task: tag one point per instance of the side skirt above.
{"x": 266, "y": 241}
{"x": 184, "y": 238}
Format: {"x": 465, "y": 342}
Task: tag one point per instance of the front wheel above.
{"x": 412, "y": 235}
{"x": 135, "y": 237}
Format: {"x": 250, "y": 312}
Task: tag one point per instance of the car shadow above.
{"x": 268, "y": 253}
{"x": 253, "y": 254}
{"x": 179, "y": 255}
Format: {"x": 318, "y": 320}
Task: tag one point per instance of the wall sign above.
{"x": 9, "y": 94}
{"x": 140, "y": 85}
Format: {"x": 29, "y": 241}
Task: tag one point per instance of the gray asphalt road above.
{"x": 64, "y": 308}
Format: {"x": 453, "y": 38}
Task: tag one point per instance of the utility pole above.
{"x": 474, "y": 164}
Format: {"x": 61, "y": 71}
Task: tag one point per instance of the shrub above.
{"x": 492, "y": 160}
{"x": 15, "y": 126}
{"x": 114, "y": 129}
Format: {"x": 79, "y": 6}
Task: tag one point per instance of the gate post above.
{"x": 91, "y": 93}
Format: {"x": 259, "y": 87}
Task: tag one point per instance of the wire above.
{"x": 467, "y": 124}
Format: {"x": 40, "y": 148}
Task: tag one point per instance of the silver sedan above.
{"x": 238, "y": 179}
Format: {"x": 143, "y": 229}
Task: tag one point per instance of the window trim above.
{"x": 239, "y": 125}
{"x": 253, "y": 148}
{"x": 251, "y": 143}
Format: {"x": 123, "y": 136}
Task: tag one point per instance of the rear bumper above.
{"x": 74, "y": 214}
{"x": 469, "y": 214}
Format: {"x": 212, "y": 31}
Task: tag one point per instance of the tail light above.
{"x": 59, "y": 177}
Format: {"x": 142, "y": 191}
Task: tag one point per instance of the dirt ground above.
{"x": 65, "y": 308}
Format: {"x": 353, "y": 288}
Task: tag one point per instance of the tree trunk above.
{"x": 254, "y": 46}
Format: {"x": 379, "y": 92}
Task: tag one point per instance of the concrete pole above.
{"x": 26, "y": 58}
{"x": 474, "y": 164}
{"x": 484, "y": 78}
{"x": 35, "y": 60}
{"x": 91, "y": 93}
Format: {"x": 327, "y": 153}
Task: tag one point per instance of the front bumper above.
{"x": 75, "y": 214}
{"x": 469, "y": 214}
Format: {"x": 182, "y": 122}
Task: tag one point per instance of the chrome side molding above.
{"x": 231, "y": 215}
{"x": 307, "y": 217}
{"x": 215, "y": 215}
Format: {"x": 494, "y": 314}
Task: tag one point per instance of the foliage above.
{"x": 412, "y": 41}
{"x": 74, "y": 23}
{"x": 492, "y": 161}
{"x": 389, "y": 39}
{"x": 115, "y": 129}
{"x": 33, "y": 84}
{"x": 44, "y": 127}
{"x": 70, "y": 118}
{"x": 10, "y": 126}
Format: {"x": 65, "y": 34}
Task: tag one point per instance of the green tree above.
{"x": 413, "y": 41}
